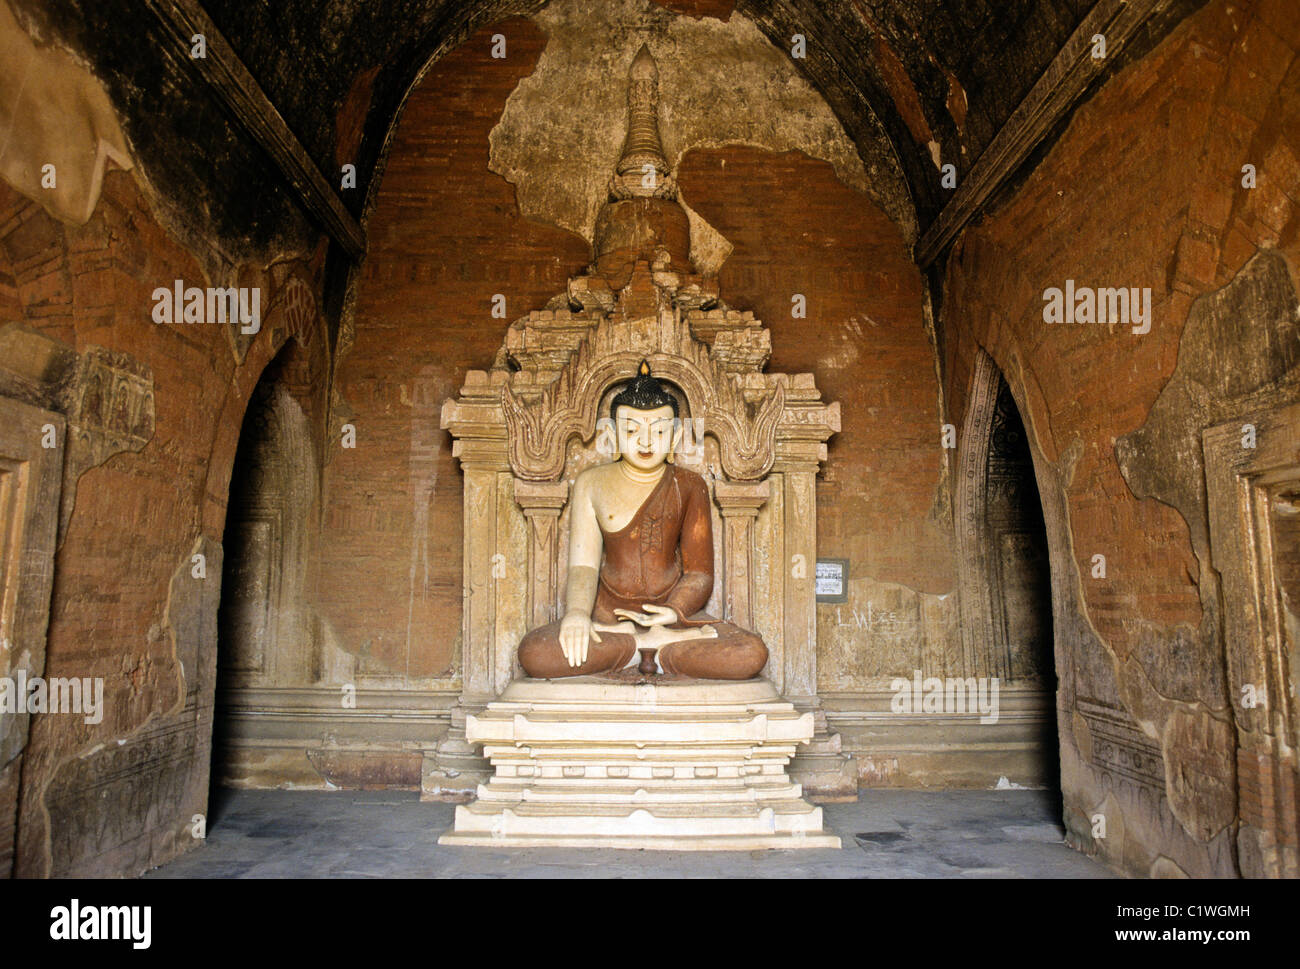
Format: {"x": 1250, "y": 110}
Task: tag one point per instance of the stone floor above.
{"x": 381, "y": 834}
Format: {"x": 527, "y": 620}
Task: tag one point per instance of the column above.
{"x": 478, "y": 616}
{"x": 739, "y": 502}
{"x": 800, "y": 590}
{"x": 821, "y": 766}
{"x": 453, "y": 771}
{"x": 542, "y": 502}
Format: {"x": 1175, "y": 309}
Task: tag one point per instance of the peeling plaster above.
{"x": 1189, "y": 821}
{"x": 53, "y": 111}
{"x": 720, "y": 84}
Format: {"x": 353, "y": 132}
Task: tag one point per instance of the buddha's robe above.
{"x": 664, "y": 556}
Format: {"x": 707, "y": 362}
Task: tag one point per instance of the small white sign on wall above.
{"x": 832, "y": 580}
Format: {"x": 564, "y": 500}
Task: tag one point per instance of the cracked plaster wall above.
{"x": 720, "y": 82}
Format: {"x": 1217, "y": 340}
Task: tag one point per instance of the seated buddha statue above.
{"x": 641, "y": 561}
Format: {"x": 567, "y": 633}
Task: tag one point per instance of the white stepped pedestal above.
{"x": 672, "y": 764}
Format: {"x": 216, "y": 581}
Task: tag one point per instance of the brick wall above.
{"x": 796, "y": 229}
{"x": 136, "y": 520}
{"x": 1144, "y": 189}
{"x": 445, "y": 235}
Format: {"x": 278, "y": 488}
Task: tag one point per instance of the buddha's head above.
{"x": 645, "y": 421}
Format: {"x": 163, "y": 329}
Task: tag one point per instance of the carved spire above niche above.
{"x": 643, "y": 152}
{"x": 642, "y": 219}
{"x": 640, "y": 298}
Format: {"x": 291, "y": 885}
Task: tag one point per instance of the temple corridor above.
{"x": 464, "y": 437}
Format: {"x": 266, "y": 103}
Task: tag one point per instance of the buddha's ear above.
{"x": 606, "y": 437}
{"x": 679, "y": 426}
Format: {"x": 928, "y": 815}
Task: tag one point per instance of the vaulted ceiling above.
{"x": 913, "y": 82}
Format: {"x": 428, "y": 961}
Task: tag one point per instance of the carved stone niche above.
{"x": 522, "y": 434}
{"x": 525, "y": 428}
{"x": 1252, "y": 476}
{"x": 31, "y": 459}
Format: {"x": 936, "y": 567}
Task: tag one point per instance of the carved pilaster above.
{"x": 825, "y": 773}
{"x": 972, "y": 481}
{"x": 739, "y": 502}
{"x": 800, "y": 591}
{"x": 542, "y": 502}
{"x": 1251, "y": 491}
{"x": 476, "y": 617}
{"x": 29, "y": 501}
{"x": 492, "y": 607}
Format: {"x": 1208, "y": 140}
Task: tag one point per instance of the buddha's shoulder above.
{"x": 689, "y": 481}
{"x": 594, "y": 476}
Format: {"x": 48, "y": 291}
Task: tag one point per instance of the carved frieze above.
{"x": 555, "y": 366}
{"x": 1120, "y": 747}
{"x": 538, "y": 429}
{"x": 110, "y": 408}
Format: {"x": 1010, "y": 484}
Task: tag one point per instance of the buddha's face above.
{"x": 645, "y": 437}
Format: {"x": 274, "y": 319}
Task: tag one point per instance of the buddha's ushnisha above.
{"x": 651, "y": 520}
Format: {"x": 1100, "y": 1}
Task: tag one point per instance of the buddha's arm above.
{"x": 580, "y": 590}
{"x": 576, "y": 634}
{"x": 695, "y": 586}
{"x": 585, "y": 544}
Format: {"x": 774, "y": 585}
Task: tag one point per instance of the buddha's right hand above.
{"x": 576, "y": 635}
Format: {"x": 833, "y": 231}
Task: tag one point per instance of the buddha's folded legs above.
{"x": 542, "y": 657}
{"x": 736, "y": 654}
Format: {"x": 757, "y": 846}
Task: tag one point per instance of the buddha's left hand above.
{"x": 652, "y": 616}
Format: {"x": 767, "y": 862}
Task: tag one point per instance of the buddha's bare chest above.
{"x": 618, "y": 499}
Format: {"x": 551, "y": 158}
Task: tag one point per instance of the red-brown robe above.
{"x": 663, "y": 556}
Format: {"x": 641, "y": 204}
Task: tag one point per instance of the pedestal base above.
{"x": 454, "y": 769}
{"x": 826, "y": 773}
{"x": 672, "y": 764}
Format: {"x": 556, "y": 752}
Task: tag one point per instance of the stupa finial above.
{"x": 642, "y": 220}
{"x": 642, "y": 169}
